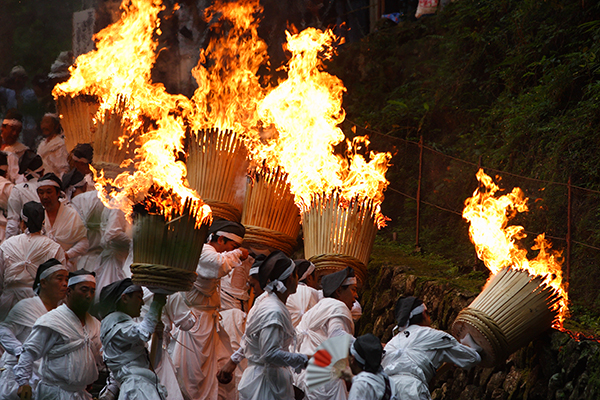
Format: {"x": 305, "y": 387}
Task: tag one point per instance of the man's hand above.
{"x": 24, "y": 392}
{"x": 225, "y": 374}
{"x": 244, "y": 253}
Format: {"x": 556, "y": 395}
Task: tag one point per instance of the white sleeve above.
{"x": 459, "y": 354}
{"x": 79, "y": 248}
{"x": 214, "y": 265}
{"x": 8, "y": 339}
{"x": 271, "y": 352}
{"x": 337, "y": 326}
{"x": 39, "y": 342}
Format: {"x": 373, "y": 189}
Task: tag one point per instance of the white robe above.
{"x": 69, "y": 231}
{"x": 116, "y": 244}
{"x": 269, "y": 335}
{"x": 300, "y": 302}
{"x": 369, "y": 386}
{"x": 197, "y": 350}
{"x": 20, "y": 194}
{"x": 20, "y": 257}
{"x": 124, "y": 347}
{"x": 90, "y": 209}
{"x": 413, "y": 355}
{"x": 328, "y": 318}
{"x": 5, "y": 189}
{"x": 14, "y": 330}
{"x": 54, "y": 155}
{"x": 70, "y": 354}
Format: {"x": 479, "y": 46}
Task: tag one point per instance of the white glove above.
{"x": 469, "y": 342}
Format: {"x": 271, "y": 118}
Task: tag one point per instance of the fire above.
{"x": 496, "y": 242}
{"x": 120, "y": 68}
{"x": 306, "y": 110}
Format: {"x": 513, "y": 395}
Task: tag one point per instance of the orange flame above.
{"x": 497, "y": 244}
{"x": 306, "y": 110}
{"x": 121, "y": 67}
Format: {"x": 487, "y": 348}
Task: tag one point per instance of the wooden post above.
{"x": 569, "y": 239}
{"x": 417, "y": 244}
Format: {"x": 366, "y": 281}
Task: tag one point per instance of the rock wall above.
{"x": 552, "y": 367}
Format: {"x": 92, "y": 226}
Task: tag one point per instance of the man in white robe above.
{"x": 330, "y": 317}
{"x": 197, "y": 351}
{"x": 5, "y": 188}
{"x": 52, "y": 148}
{"x": 31, "y": 166}
{"x": 414, "y": 354}
{"x": 20, "y": 257}
{"x": 11, "y": 128}
{"x": 68, "y": 341}
{"x": 124, "y": 341}
{"x": 51, "y": 288}
{"x": 80, "y": 158}
{"x": 62, "y": 223}
{"x": 306, "y": 295}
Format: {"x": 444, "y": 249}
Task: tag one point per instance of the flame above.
{"x": 120, "y": 68}
{"x": 306, "y": 110}
{"x": 496, "y": 242}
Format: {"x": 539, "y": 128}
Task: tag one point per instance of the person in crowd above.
{"x": 270, "y": 333}
{"x": 123, "y": 340}
{"x": 51, "y": 288}
{"x": 68, "y": 341}
{"x": 330, "y": 317}
{"x": 257, "y": 291}
{"x": 21, "y": 255}
{"x": 27, "y": 102}
{"x": 369, "y": 381}
{"x": 11, "y": 128}
{"x": 197, "y": 351}
{"x": 80, "y": 158}
{"x": 62, "y": 223}
{"x": 8, "y": 99}
{"x": 31, "y": 166}
{"x": 417, "y": 350}
{"x": 306, "y": 295}
{"x": 233, "y": 312}
{"x": 52, "y": 148}
{"x": 5, "y": 188}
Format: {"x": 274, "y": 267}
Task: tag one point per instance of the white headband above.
{"x": 51, "y": 270}
{"x": 277, "y": 284}
{"x": 309, "y": 271}
{"x": 232, "y": 236}
{"x": 415, "y": 311}
{"x": 48, "y": 182}
{"x": 36, "y": 173}
{"x": 356, "y": 355}
{"x": 349, "y": 281}
{"x": 75, "y": 158}
{"x": 81, "y": 278}
{"x": 253, "y": 271}
{"x": 71, "y": 189}
{"x": 24, "y": 217}
{"x": 12, "y": 122}
{"x": 53, "y": 115}
{"x": 131, "y": 289}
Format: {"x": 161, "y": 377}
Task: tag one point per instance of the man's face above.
{"x": 81, "y": 296}
{"x": 347, "y": 295}
{"x": 82, "y": 167}
{"x": 255, "y": 286}
{"x": 132, "y": 303}
{"x": 56, "y": 284}
{"x": 292, "y": 282}
{"x": 223, "y": 245}
{"x": 48, "y": 196}
{"x": 48, "y": 126}
{"x": 10, "y": 133}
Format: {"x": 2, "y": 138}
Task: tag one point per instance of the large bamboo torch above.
{"x": 77, "y": 118}
{"x": 338, "y": 235}
{"x": 271, "y": 217}
{"x": 513, "y": 309}
{"x": 216, "y": 168}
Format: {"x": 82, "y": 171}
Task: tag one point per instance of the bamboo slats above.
{"x": 332, "y": 228}
{"x": 513, "y": 309}
{"x": 271, "y": 217}
{"x": 216, "y": 168}
{"x": 166, "y": 248}
{"x": 77, "y": 119}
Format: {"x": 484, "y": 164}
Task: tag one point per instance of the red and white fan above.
{"x": 329, "y": 362}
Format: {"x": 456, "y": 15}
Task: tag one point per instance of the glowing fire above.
{"x": 306, "y": 110}
{"x": 121, "y": 67}
{"x": 497, "y": 244}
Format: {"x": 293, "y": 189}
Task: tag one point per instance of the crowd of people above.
{"x": 246, "y": 330}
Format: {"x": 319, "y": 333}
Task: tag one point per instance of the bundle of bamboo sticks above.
{"x": 513, "y": 308}
{"x": 167, "y": 247}
{"x": 77, "y": 118}
{"x": 113, "y": 142}
{"x": 216, "y": 168}
{"x": 271, "y": 217}
{"x": 332, "y": 228}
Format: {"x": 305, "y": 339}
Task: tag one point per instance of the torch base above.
{"x": 263, "y": 238}
{"x": 329, "y": 263}
{"x": 224, "y": 210}
{"x": 162, "y": 276}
